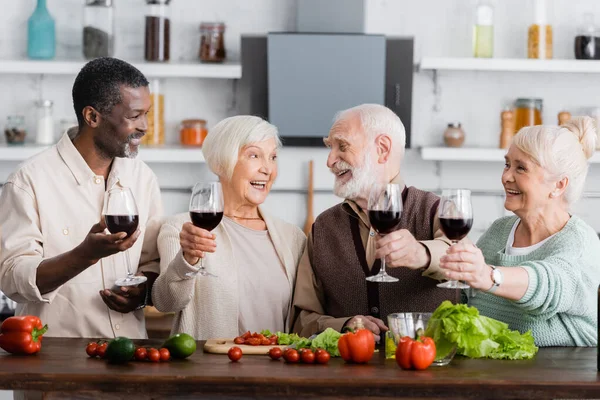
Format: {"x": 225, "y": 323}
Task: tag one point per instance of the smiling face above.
{"x": 255, "y": 171}
{"x": 525, "y": 184}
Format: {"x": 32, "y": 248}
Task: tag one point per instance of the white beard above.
{"x": 128, "y": 152}
{"x": 360, "y": 184}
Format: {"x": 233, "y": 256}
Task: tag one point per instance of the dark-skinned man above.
{"x": 57, "y": 261}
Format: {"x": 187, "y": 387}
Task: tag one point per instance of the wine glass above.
{"x": 121, "y": 215}
{"x": 385, "y": 210}
{"x": 456, "y": 220}
{"x": 206, "y": 210}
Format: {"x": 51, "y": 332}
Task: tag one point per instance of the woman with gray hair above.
{"x": 539, "y": 270}
{"x": 254, "y": 255}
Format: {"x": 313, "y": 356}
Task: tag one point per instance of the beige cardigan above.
{"x": 207, "y": 307}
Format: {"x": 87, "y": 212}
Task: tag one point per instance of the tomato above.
{"x": 265, "y": 342}
{"x": 234, "y": 353}
{"x": 273, "y": 339}
{"x": 253, "y": 341}
{"x": 322, "y": 356}
{"x": 239, "y": 340}
{"x": 153, "y": 355}
{"x": 275, "y": 353}
{"x": 259, "y": 336}
{"x": 164, "y": 354}
{"x": 308, "y": 357}
{"x": 101, "y": 350}
{"x": 91, "y": 349}
{"x": 140, "y": 354}
{"x": 247, "y": 335}
{"x": 291, "y": 356}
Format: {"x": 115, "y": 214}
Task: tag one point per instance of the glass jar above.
{"x": 212, "y": 42}
{"x": 155, "y": 134}
{"x": 157, "y": 42}
{"x": 528, "y": 112}
{"x": 587, "y": 41}
{"x": 193, "y": 132}
{"x": 539, "y": 38}
{"x": 454, "y": 136}
{"x": 41, "y": 33}
{"x": 45, "y": 123}
{"x": 483, "y": 30}
{"x": 98, "y": 29}
{"x": 15, "y": 129}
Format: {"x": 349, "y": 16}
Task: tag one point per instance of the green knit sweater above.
{"x": 560, "y": 305}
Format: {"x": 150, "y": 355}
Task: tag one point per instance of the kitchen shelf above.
{"x": 228, "y": 70}
{"x": 509, "y": 65}
{"x": 162, "y": 154}
{"x": 471, "y": 154}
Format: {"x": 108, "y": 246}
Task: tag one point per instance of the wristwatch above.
{"x": 497, "y": 279}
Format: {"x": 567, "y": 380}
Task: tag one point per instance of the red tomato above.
{"x": 259, "y": 336}
{"x": 164, "y": 354}
{"x": 101, "y": 350}
{"x": 265, "y": 342}
{"x": 275, "y": 353}
{"x": 153, "y": 355}
{"x": 140, "y": 354}
{"x": 247, "y": 335}
{"x": 291, "y": 356}
{"x": 253, "y": 341}
{"x": 239, "y": 340}
{"x": 91, "y": 349}
{"x": 234, "y": 353}
{"x": 322, "y": 356}
{"x": 308, "y": 357}
{"x": 273, "y": 339}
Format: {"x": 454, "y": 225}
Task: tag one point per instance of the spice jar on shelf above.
{"x": 454, "y": 136}
{"x": 155, "y": 134}
{"x": 158, "y": 31}
{"x": 539, "y": 38}
{"x": 212, "y": 42}
{"x": 98, "y": 29}
{"x": 45, "y": 123}
{"x": 587, "y": 41}
{"x": 193, "y": 132}
{"x": 528, "y": 112}
{"x": 483, "y": 30}
{"x": 14, "y": 130}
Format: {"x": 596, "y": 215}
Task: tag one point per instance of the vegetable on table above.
{"x": 357, "y": 346}
{"x": 415, "y": 354}
{"x": 180, "y": 345}
{"x": 22, "y": 334}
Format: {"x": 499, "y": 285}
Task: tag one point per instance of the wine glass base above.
{"x": 131, "y": 281}
{"x": 204, "y": 272}
{"x": 453, "y": 285}
{"x": 382, "y": 278}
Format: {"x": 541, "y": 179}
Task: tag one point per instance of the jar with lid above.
{"x": 14, "y": 130}
{"x": 528, "y": 112}
{"x": 483, "y": 30}
{"x": 157, "y": 41}
{"x": 454, "y": 136}
{"x": 155, "y": 134}
{"x": 212, "y": 42}
{"x": 587, "y": 41}
{"x": 539, "y": 38}
{"x": 45, "y": 123}
{"x": 98, "y": 29}
{"x": 193, "y": 132}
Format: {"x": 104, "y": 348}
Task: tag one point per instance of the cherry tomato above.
{"x": 307, "y": 356}
{"x": 91, "y": 349}
{"x": 234, "y": 353}
{"x": 239, "y": 340}
{"x": 101, "y": 350}
{"x": 273, "y": 339}
{"x": 275, "y": 353}
{"x": 259, "y": 336}
{"x": 140, "y": 354}
{"x": 165, "y": 355}
{"x": 322, "y": 356}
{"x": 265, "y": 342}
{"x": 291, "y": 356}
{"x": 253, "y": 341}
{"x": 247, "y": 335}
{"x": 153, "y": 355}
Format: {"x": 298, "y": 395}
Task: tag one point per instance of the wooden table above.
{"x": 63, "y": 370}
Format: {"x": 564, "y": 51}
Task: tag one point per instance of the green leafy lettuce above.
{"x": 475, "y": 335}
{"x": 328, "y": 340}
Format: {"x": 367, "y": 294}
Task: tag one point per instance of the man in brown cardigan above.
{"x": 366, "y": 147}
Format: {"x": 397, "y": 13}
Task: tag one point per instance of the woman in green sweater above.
{"x": 539, "y": 270}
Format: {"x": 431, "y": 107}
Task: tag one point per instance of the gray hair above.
{"x": 562, "y": 151}
{"x": 223, "y": 143}
{"x": 375, "y": 120}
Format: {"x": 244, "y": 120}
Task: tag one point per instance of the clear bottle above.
{"x": 483, "y": 30}
{"x": 539, "y": 38}
{"x": 98, "y": 29}
{"x": 157, "y": 42}
{"x": 41, "y": 33}
{"x": 45, "y": 123}
{"x": 212, "y": 42}
{"x": 587, "y": 41}
{"x": 155, "y": 134}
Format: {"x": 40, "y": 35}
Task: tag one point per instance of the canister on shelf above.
{"x": 539, "y": 38}
{"x": 155, "y": 134}
{"x": 507, "y": 118}
{"x": 563, "y": 117}
{"x": 528, "y": 112}
{"x": 45, "y": 123}
{"x": 14, "y": 129}
{"x": 193, "y": 132}
{"x": 454, "y": 136}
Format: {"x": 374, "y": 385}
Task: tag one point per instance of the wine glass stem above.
{"x": 128, "y": 261}
{"x": 382, "y": 270}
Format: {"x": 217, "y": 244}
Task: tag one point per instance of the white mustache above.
{"x": 341, "y": 166}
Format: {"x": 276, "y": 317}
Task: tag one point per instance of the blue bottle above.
{"x": 41, "y": 40}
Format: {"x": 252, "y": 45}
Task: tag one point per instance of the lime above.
{"x": 181, "y": 345}
{"x": 120, "y": 350}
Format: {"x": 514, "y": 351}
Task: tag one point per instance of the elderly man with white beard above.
{"x": 366, "y": 148}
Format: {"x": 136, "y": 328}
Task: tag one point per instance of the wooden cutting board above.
{"x": 222, "y": 346}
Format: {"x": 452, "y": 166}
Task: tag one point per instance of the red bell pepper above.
{"x": 22, "y": 335}
{"x": 415, "y": 354}
{"x": 357, "y": 346}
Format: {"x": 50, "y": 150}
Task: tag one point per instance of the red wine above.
{"x": 384, "y": 221}
{"x": 456, "y": 228}
{"x": 206, "y": 220}
{"x": 122, "y": 223}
